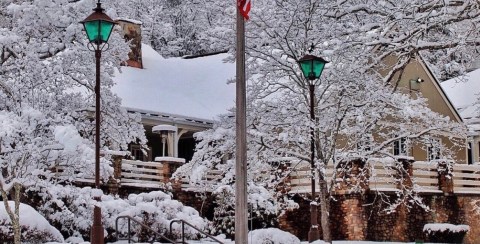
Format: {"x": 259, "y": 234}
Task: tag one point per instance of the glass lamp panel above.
{"x": 105, "y": 30}
{"x": 306, "y": 66}
{"x": 92, "y": 29}
{"x": 318, "y": 68}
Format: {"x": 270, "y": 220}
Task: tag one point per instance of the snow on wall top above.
{"x": 189, "y": 87}
{"x": 463, "y": 92}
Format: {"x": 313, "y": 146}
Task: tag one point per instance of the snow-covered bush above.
{"x": 444, "y": 232}
{"x": 263, "y": 209}
{"x": 34, "y": 227}
{"x": 224, "y": 213}
{"x": 272, "y": 236}
{"x": 71, "y": 209}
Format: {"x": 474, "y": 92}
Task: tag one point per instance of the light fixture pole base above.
{"x": 313, "y": 233}
{"x": 96, "y": 235}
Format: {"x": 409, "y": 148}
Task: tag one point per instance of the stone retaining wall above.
{"x": 357, "y": 217}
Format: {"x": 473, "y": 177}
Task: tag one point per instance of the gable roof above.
{"x": 190, "y": 88}
{"x": 440, "y": 89}
{"x": 464, "y": 91}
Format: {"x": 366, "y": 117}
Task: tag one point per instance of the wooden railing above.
{"x": 423, "y": 177}
{"x": 212, "y": 178}
{"x": 300, "y": 178}
{"x": 466, "y": 179}
{"x": 128, "y": 173}
{"x": 142, "y": 174}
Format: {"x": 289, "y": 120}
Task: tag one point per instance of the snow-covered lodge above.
{"x": 186, "y": 94}
{"x": 189, "y": 93}
{"x": 177, "y": 97}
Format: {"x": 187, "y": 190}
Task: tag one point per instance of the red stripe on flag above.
{"x": 244, "y": 7}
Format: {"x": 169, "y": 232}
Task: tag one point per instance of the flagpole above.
{"x": 241, "y": 140}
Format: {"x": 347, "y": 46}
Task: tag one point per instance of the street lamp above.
{"x": 312, "y": 67}
{"x": 98, "y": 27}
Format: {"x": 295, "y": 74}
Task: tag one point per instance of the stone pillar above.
{"x": 132, "y": 31}
{"x": 445, "y": 179}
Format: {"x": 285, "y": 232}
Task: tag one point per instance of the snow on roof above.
{"x": 159, "y": 128}
{"x": 188, "y": 87}
{"x": 463, "y": 92}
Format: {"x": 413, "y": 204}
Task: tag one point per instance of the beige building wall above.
{"x": 417, "y": 79}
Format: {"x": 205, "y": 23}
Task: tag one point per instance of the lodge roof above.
{"x": 194, "y": 89}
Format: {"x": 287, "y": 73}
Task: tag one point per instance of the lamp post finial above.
{"x": 312, "y": 47}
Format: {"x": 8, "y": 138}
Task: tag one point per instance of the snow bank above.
{"x": 272, "y": 235}
{"x": 33, "y": 224}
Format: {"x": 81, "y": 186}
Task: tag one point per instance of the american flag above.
{"x": 244, "y": 7}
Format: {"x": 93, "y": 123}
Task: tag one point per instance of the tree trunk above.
{"x": 325, "y": 210}
{"x": 14, "y": 216}
{"x": 16, "y": 221}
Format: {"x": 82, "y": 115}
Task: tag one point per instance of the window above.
{"x": 400, "y": 147}
{"x": 470, "y": 153}
{"x": 433, "y": 148}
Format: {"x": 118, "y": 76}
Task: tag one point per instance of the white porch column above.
{"x": 177, "y": 139}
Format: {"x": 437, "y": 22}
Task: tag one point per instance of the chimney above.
{"x": 132, "y": 31}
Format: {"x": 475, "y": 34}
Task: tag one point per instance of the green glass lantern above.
{"x": 312, "y": 66}
{"x": 98, "y": 26}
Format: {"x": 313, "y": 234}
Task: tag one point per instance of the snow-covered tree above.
{"x": 173, "y": 27}
{"x": 369, "y": 44}
{"x": 47, "y": 76}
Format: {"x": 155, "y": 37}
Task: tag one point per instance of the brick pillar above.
{"x": 406, "y": 174}
{"x": 351, "y": 215}
{"x": 117, "y": 167}
{"x": 445, "y": 179}
{"x": 352, "y": 177}
{"x": 168, "y": 168}
{"x": 132, "y": 31}
{"x": 400, "y": 228}
{"x": 355, "y": 220}
{"x": 113, "y": 184}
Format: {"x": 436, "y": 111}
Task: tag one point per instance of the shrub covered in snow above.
{"x": 272, "y": 236}
{"x": 71, "y": 209}
{"x": 445, "y": 233}
{"x": 33, "y": 225}
{"x": 262, "y": 208}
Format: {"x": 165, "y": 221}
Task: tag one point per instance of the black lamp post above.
{"x": 98, "y": 27}
{"x": 312, "y": 68}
